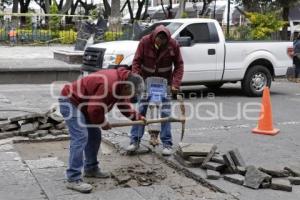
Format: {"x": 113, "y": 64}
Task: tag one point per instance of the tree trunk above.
{"x": 72, "y": 12}
{"x": 130, "y": 11}
{"x": 285, "y": 17}
{"x": 60, "y": 4}
{"x": 66, "y": 7}
{"x": 15, "y": 7}
{"x": 47, "y": 6}
{"x": 140, "y": 9}
{"x": 204, "y": 7}
{"x": 107, "y": 9}
{"x": 145, "y": 15}
{"x": 181, "y": 9}
{"x": 115, "y": 17}
{"x": 163, "y": 8}
{"x": 24, "y": 9}
{"x": 170, "y": 6}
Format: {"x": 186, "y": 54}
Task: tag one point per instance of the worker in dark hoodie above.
{"x": 157, "y": 55}
{"x": 83, "y": 105}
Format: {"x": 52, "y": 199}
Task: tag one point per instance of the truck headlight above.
{"x": 112, "y": 59}
{"x": 119, "y": 58}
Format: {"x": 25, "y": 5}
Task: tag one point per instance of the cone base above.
{"x": 264, "y": 132}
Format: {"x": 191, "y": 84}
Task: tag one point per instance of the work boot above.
{"x": 96, "y": 173}
{"x": 133, "y": 147}
{"x": 79, "y": 186}
{"x": 167, "y": 151}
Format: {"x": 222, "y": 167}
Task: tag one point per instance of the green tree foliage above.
{"x": 67, "y": 37}
{"x": 54, "y": 20}
{"x": 184, "y": 15}
{"x": 263, "y": 25}
{"x": 265, "y": 6}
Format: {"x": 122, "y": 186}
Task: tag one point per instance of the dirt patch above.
{"x": 138, "y": 175}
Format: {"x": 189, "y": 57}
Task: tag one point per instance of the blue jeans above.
{"x": 84, "y": 141}
{"x": 137, "y": 131}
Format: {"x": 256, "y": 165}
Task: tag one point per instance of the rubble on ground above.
{"x": 138, "y": 175}
{"x": 34, "y": 125}
{"x": 231, "y": 167}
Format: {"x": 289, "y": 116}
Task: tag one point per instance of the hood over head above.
{"x": 159, "y": 29}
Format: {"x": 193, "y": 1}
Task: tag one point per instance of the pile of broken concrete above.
{"x": 136, "y": 175}
{"x": 233, "y": 168}
{"x": 34, "y": 125}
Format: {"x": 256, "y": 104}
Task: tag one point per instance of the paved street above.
{"x": 280, "y": 150}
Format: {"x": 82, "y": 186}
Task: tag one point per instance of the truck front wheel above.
{"x": 256, "y": 78}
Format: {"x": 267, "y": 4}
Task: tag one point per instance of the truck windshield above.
{"x": 172, "y": 26}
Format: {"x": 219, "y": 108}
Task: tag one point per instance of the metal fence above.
{"x": 38, "y": 31}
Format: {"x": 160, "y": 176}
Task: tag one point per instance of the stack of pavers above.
{"x": 194, "y": 154}
{"x": 33, "y": 125}
{"x": 233, "y": 168}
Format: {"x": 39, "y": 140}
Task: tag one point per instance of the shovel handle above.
{"x": 149, "y": 121}
{"x": 124, "y": 124}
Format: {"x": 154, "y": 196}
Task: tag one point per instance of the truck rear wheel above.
{"x": 256, "y": 78}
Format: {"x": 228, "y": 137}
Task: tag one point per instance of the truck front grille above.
{"x": 93, "y": 57}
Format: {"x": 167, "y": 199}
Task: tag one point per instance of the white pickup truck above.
{"x": 208, "y": 59}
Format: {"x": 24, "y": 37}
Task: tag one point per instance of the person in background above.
{"x": 12, "y": 36}
{"x": 157, "y": 55}
{"x": 296, "y": 58}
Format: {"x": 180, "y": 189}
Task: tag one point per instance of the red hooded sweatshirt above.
{"x": 95, "y": 95}
{"x": 148, "y": 61}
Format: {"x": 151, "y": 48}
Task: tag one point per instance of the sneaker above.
{"x": 133, "y": 147}
{"x": 167, "y": 151}
{"x": 96, "y": 174}
{"x": 79, "y": 186}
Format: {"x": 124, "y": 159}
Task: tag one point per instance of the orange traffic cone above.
{"x": 265, "y": 123}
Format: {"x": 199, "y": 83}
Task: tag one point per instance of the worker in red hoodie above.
{"x": 157, "y": 55}
{"x": 83, "y": 105}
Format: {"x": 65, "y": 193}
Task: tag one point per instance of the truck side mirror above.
{"x": 184, "y": 41}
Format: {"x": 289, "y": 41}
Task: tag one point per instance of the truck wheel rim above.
{"x": 259, "y": 81}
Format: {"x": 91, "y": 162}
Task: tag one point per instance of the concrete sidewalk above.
{"x": 44, "y": 179}
{"x": 39, "y": 173}
{"x": 27, "y": 64}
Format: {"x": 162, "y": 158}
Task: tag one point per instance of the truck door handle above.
{"x": 211, "y": 51}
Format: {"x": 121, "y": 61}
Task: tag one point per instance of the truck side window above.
{"x": 199, "y": 32}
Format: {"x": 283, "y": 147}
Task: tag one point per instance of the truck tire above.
{"x": 214, "y": 86}
{"x": 256, "y": 78}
